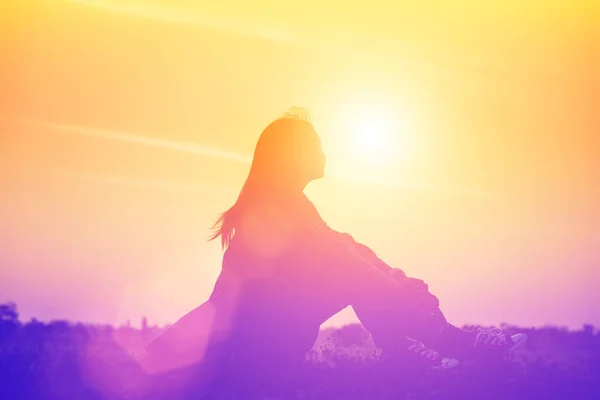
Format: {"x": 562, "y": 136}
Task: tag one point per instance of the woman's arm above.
{"x": 324, "y": 260}
{"x": 417, "y": 287}
{"x": 301, "y": 255}
{"x": 341, "y": 248}
{"x": 369, "y": 254}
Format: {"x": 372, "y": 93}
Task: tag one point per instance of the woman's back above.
{"x": 265, "y": 295}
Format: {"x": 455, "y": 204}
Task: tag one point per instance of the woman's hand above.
{"x": 397, "y": 274}
{"x": 417, "y": 291}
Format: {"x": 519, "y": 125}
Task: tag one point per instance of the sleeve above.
{"x": 319, "y": 257}
{"x": 369, "y": 254}
{"x": 332, "y": 261}
{"x": 342, "y": 242}
{"x": 417, "y": 287}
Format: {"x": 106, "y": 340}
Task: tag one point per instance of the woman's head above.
{"x": 288, "y": 154}
{"x": 287, "y": 157}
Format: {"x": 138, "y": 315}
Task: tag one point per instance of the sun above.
{"x": 371, "y": 133}
{"x": 372, "y": 136}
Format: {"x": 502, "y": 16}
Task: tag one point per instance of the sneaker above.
{"x": 416, "y": 352}
{"x": 493, "y": 341}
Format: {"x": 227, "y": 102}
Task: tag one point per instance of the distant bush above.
{"x": 59, "y": 360}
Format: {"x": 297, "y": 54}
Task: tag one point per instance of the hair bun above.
{"x": 298, "y": 113}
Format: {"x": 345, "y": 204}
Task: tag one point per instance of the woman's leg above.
{"x": 391, "y": 307}
{"x": 390, "y": 327}
{"x": 419, "y": 317}
{"x": 392, "y": 324}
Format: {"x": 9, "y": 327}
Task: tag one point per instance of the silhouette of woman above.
{"x": 285, "y": 272}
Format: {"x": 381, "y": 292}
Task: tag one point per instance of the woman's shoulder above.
{"x": 266, "y": 231}
{"x": 275, "y": 227}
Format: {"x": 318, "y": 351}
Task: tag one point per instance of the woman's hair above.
{"x": 284, "y": 154}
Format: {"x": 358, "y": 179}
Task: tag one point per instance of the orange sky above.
{"x": 126, "y": 126}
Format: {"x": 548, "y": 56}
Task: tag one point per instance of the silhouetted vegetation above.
{"x": 60, "y": 360}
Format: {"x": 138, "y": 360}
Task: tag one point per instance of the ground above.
{"x": 66, "y": 361}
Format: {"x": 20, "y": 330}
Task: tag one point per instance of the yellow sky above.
{"x": 127, "y": 126}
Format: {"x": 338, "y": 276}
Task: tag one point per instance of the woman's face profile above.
{"x": 311, "y": 159}
{"x": 320, "y": 160}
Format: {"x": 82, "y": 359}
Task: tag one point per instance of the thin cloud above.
{"x": 230, "y": 25}
{"x": 154, "y": 184}
{"x": 404, "y": 52}
{"x": 173, "y": 15}
{"x": 122, "y": 136}
{"x": 438, "y": 59}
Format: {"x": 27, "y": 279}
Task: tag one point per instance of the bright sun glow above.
{"x": 372, "y": 133}
{"x": 373, "y": 136}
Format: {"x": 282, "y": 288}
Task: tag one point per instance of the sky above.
{"x": 461, "y": 136}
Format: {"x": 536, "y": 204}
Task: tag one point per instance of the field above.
{"x": 60, "y": 360}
